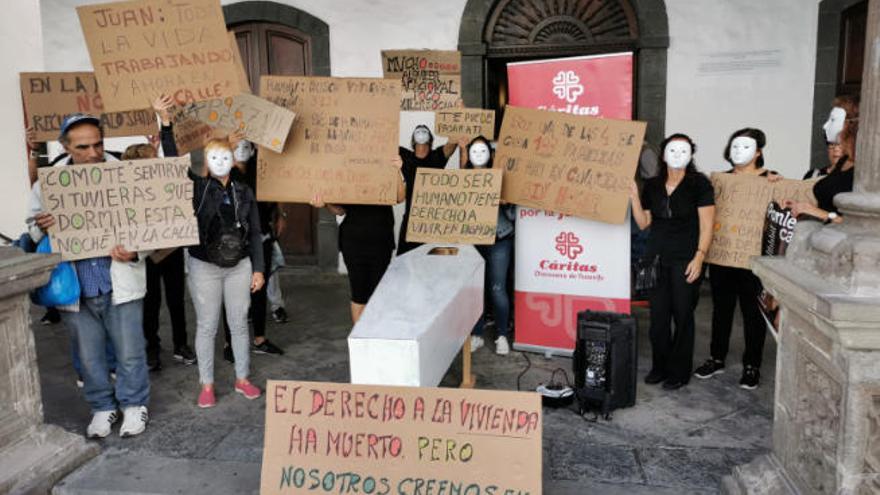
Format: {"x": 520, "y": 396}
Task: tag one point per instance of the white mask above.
{"x": 677, "y": 154}
{"x": 244, "y": 150}
{"x": 219, "y": 162}
{"x": 421, "y": 136}
{"x": 478, "y": 154}
{"x": 834, "y": 124}
{"x": 743, "y": 150}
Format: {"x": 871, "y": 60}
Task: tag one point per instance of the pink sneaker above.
{"x": 247, "y": 389}
{"x": 206, "y": 398}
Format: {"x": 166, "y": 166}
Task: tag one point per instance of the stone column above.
{"x": 33, "y": 455}
{"x": 826, "y": 428}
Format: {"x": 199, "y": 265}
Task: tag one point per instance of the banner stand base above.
{"x": 546, "y": 351}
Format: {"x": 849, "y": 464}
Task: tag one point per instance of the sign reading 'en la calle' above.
{"x": 341, "y": 438}
{"x": 141, "y": 205}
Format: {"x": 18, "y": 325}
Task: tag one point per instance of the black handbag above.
{"x": 227, "y": 248}
{"x": 644, "y": 277}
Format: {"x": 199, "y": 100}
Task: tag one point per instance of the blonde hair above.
{"x": 218, "y": 144}
{"x": 139, "y": 152}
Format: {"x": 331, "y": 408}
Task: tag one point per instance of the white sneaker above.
{"x": 502, "y": 347}
{"x": 477, "y": 342}
{"x": 134, "y": 421}
{"x": 102, "y": 422}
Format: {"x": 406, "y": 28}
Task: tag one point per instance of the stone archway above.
{"x": 510, "y": 29}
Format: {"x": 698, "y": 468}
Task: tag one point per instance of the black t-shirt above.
{"x": 435, "y": 159}
{"x": 831, "y": 185}
{"x": 366, "y": 230}
{"x": 675, "y": 223}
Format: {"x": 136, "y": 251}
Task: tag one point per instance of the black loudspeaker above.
{"x": 605, "y": 361}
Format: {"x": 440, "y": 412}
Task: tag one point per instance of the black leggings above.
{"x": 728, "y": 285}
{"x": 169, "y": 270}
{"x": 364, "y": 273}
{"x": 673, "y": 300}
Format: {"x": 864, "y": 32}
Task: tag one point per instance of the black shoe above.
{"x": 280, "y": 315}
{"x": 184, "y": 354}
{"x": 654, "y": 377}
{"x": 153, "y": 363}
{"x": 709, "y": 369}
{"x": 267, "y": 347}
{"x": 673, "y": 384}
{"x": 750, "y": 378}
{"x": 51, "y": 317}
{"x": 227, "y": 354}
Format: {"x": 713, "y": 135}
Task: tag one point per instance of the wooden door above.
{"x": 268, "y": 48}
{"x": 851, "y": 58}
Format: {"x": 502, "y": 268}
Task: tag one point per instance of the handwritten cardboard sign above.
{"x": 431, "y": 79}
{"x": 141, "y": 204}
{"x": 465, "y": 123}
{"x": 341, "y": 145}
{"x": 262, "y": 121}
{"x": 143, "y": 48}
{"x": 458, "y": 206}
{"x": 740, "y": 207}
{"x": 190, "y": 133}
{"x": 572, "y": 164}
{"x": 49, "y": 97}
{"x": 244, "y": 83}
{"x": 341, "y": 438}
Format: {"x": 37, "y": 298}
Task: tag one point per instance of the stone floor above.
{"x": 669, "y": 443}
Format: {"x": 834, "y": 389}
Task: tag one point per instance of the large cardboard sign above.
{"x": 581, "y": 166}
{"x": 465, "y": 123}
{"x": 740, "y": 206}
{"x": 140, "y": 204}
{"x": 342, "y": 438}
{"x": 457, "y": 206}
{"x": 342, "y": 143}
{"x": 143, "y": 48}
{"x": 263, "y": 122}
{"x": 431, "y": 79}
{"x": 49, "y": 97}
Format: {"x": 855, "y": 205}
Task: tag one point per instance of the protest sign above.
{"x": 431, "y": 79}
{"x": 49, "y": 97}
{"x": 141, "y": 205}
{"x": 458, "y": 206}
{"x": 577, "y": 165}
{"x": 143, "y": 48}
{"x": 740, "y": 206}
{"x": 465, "y": 123}
{"x": 262, "y": 122}
{"x": 342, "y": 438}
{"x": 190, "y": 133}
{"x": 342, "y": 143}
{"x": 244, "y": 83}
{"x": 779, "y": 226}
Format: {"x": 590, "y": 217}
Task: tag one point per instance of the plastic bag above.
{"x": 63, "y": 286}
{"x": 644, "y": 277}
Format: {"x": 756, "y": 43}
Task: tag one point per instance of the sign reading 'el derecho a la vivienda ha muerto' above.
{"x": 141, "y": 205}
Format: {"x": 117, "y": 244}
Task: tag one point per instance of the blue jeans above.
{"x": 77, "y": 362}
{"x": 98, "y": 321}
{"x": 498, "y": 257}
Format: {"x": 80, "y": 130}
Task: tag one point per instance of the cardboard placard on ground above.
{"x": 457, "y": 206}
{"x": 140, "y": 204}
{"x": 577, "y": 165}
{"x": 49, "y": 97}
{"x": 431, "y": 79}
{"x": 341, "y": 145}
{"x": 262, "y": 121}
{"x": 465, "y": 123}
{"x": 243, "y": 83}
{"x": 143, "y": 48}
{"x": 740, "y": 206}
{"x": 342, "y": 438}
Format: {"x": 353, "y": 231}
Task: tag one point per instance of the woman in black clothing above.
{"x": 366, "y": 240}
{"x": 745, "y": 153}
{"x": 679, "y": 206}
{"x": 422, "y": 155}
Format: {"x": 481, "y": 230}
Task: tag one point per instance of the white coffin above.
{"x": 418, "y": 318}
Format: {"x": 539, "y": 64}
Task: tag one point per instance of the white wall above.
{"x": 743, "y": 63}
{"x": 21, "y": 49}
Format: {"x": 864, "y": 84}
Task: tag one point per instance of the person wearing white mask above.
{"x": 679, "y": 206}
{"x": 422, "y": 154}
{"x": 498, "y": 258}
{"x": 225, "y": 268}
{"x": 745, "y": 152}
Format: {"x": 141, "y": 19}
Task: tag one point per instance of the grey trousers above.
{"x": 211, "y": 287}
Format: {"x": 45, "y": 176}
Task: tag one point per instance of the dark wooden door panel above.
{"x": 853, "y": 27}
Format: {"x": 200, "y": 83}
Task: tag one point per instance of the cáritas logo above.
{"x": 568, "y": 244}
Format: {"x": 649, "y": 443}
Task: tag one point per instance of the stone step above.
{"x": 133, "y": 474}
